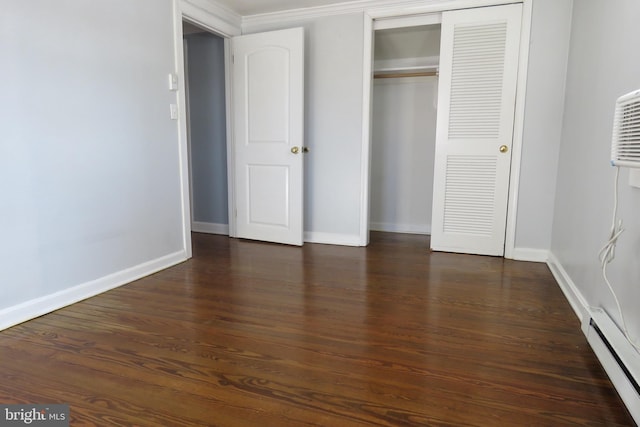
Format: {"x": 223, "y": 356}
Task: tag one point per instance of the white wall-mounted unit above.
{"x": 625, "y": 145}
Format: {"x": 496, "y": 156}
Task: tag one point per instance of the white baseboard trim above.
{"x": 332, "y": 238}
{"x": 571, "y": 292}
{"x": 210, "y": 228}
{"x": 532, "y": 255}
{"x": 309, "y": 236}
{"x": 400, "y": 228}
{"x": 31, "y": 309}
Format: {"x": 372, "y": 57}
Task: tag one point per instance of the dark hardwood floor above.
{"x": 256, "y": 334}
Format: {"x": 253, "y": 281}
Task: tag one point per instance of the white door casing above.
{"x": 477, "y": 90}
{"x": 268, "y": 106}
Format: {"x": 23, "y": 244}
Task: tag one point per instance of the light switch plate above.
{"x": 173, "y": 81}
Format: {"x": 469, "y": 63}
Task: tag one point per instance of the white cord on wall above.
{"x": 607, "y": 254}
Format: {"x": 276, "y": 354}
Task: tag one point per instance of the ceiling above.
{"x": 255, "y": 7}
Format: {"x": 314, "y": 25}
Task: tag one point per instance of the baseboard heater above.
{"x": 617, "y": 356}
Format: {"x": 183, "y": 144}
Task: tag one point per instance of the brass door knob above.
{"x": 295, "y": 150}
{"x": 504, "y": 148}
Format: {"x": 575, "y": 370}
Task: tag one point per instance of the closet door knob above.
{"x": 504, "y": 148}
{"x": 295, "y": 150}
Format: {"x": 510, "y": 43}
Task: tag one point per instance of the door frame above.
{"x": 518, "y": 127}
{"x": 186, "y": 11}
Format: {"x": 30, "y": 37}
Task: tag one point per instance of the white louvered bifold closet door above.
{"x": 478, "y": 76}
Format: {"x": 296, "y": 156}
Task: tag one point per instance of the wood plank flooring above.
{"x": 249, "y": 334}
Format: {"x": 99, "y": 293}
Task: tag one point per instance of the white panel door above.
{"x": 479, "y": 54}
{"x": 268, "y": 98}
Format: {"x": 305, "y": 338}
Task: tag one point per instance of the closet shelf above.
{"x": 415, "y": 71}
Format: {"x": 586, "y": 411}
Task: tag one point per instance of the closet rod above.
{"x": 396, "y": 75}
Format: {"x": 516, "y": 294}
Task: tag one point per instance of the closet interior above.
{"x": 404, "y": 101}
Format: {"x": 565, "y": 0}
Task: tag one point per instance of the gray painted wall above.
{"x": 603, "y": 64}
{"x": 89, "y": 160}
{"x": 207, "y": 128}
{"x": 549, "y": 49}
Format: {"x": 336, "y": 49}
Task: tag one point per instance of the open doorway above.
{"x": 268, "y": 182}
{"x": 204, "y": 60}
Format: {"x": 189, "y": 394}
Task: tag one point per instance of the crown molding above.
{"x": 356, "y": 6}
{"x": 213, "y": 15}
{"x": 226, "y": 22}
{"x": 375, "y": 8}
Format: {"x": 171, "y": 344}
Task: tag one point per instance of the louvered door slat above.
{"x": 478, "y": 73}
{"x": 476, "y": 79}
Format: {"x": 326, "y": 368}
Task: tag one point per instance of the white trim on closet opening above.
{"x": 404, "y": 21}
